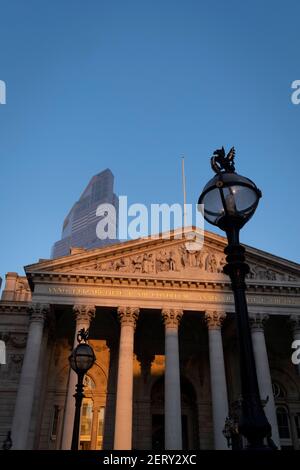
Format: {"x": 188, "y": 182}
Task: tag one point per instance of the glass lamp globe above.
{"x": 229, "y": 200}
{"x": 82, "y": 358}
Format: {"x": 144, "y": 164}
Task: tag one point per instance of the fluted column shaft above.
{"x": 257, "y": 322}
{"x": 173, "y": 429}
{"x": 83, "y": 315}
{"x": 26, "y": 389}
{"x": 217, "y": 377}
{"x": 123, "y": 419}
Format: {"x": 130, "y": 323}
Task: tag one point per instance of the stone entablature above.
{"x": 150, "y": 273}
{"x": 150, "y": 296}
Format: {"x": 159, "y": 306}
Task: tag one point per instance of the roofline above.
{"x": 120, "y": 246}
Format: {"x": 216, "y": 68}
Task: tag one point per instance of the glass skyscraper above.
{"x": 79, "y": 228}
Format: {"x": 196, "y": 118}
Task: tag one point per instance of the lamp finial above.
{"x": 222, "y": 162}
{"x": 82, "y": 335}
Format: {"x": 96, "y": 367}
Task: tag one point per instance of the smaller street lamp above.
{"x": 81, "y": 360}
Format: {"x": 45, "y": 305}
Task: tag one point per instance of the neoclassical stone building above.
{"x": 162, "y": 325}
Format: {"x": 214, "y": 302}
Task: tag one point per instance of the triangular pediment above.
{"x": 168, "y": 257}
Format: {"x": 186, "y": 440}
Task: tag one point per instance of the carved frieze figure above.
{"x": 122, "y": 265}
{"x": 162, "y": 263}
{"x": 266, "y": 274}
{"x": 252, "y": 273}
{"x": 137, "y": 262}
{"x": 183, "y": 255}
{"x": 187, "y": 257}
{"x": 261, "y": 273}
{"x": 211, "y": 263}
{"x": 109, "y": 266}
{"x": 172, "y": 261}
{"x": 148, "y": 263}
{"x": 222, "y": 262}
{"x": 199, "y": 259}
{"x": 270, "y": 275}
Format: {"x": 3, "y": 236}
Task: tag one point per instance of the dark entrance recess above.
{"x": 158, "y": 432}
{"x": 188, "y": 417}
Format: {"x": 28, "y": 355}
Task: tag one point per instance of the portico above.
{"x": 162, "y": 325}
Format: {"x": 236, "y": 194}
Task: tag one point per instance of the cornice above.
{"x": 133, "y": 280}
{"x": 14, "y": 307}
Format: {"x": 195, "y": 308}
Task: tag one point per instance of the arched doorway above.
{"x": 283, "y": 416}
{"x": 91, "y": 419}
{"x": 189, "y": 415}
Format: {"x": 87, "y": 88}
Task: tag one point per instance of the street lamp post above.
{"x": 81, "y": 360}
{"x": 229, "y": 201}
{"x": 7, "y": 443}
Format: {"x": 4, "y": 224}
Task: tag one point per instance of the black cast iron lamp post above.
{"x": 229, "y": 201}
{"x": 81, "y": 360}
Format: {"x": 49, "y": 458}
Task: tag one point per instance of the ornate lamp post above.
{"x": 7, "y": 443}
{"x": 229, "y": 202}
{"x": 81, "y": 360}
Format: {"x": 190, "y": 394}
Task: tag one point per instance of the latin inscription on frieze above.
{"x": 168, "y": 295}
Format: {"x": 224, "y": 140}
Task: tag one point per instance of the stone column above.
{"x": 123, "y": 420}
{"x": 41, "y": 385}
{"x": 173, "y": 429}
{"x": 83, "y": 314}
{"x": 217, "y": 377}
{"x": 110, "y": 407}
{"x": 257, "y": 322}
{"x": 27, "y": 383}
{"x": 295, "y": 324}
{"x": 144, "y": 415}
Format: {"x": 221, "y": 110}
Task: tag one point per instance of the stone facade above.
{"x": 162, "y": 326}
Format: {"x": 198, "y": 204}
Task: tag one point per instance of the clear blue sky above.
{"x": 133, "y": 84}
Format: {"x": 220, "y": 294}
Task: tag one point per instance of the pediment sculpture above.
{"x": 173, "y": 259}
{"x": 178, "y": 259}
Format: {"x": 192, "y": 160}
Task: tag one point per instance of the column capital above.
{"x": 128, "y": 315}
{"x": 294, "y": 321}
{"x": 172, "y": 317}
{"x": 257, "y": 320}
{"x": 84, "y": 312}
{"x": 214, "y": 319}
{"x": 38, "y": 312}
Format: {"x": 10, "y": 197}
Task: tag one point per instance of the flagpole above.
{"x": 184, "y": 192}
